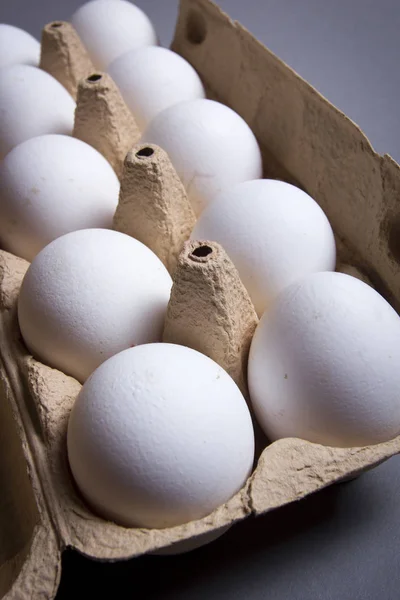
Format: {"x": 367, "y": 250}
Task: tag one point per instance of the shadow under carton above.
{"x": 305, "y": 140}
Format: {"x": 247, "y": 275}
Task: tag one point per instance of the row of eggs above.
{"x": 93, "y": 292}
{"x": 159, "y": 434}
{"x": 209, "y": 144}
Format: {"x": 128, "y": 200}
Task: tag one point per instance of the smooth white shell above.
{"x": 108, "y": 29}
{"x": 159, "y": 435}
{"x": 153, "y": 78}
{"x": 324, "y": 364}
{"x": 32, "y": 103}
{"x": 17, "y": 47}
{"x": 273, "y": 232}
{"x": 51, "y": 185}
{"x": 210, "y": 146}
{"x": 90, "y": 294}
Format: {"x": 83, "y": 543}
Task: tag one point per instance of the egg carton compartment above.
{"x": 305, "y": 141}
{"x": 42, "y": 506}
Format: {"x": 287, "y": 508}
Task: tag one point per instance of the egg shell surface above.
{"x": 51, "y": 185}
{"x": 109, "y": 29}
{"x": 273, "y": 232}
{"x": 90, "y": 294}
{"x": 17, "y": 47}
{"x": 152, "y": 78}
{"x": 210, "y": 146}
{"x": 32, "y": 103}
{"x": 324, "y": 364}
{"x": 159, "y": 435}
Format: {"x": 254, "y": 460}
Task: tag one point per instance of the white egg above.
{"x": 109, "y": 29}
{"x": 159, "y": 435}
{"x": 51, "y": 185}
{"x": 324, "y": 364}
{"x": 90, "y": 294}
{"x": 18, "y": 47}
{"x": 273, "y": 232}
{"x": 32, "y": 103}
{"x": 210, "y": 146}
{"x": 153, "y": 78}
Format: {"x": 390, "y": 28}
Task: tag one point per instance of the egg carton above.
{"x": 304, "y": 140}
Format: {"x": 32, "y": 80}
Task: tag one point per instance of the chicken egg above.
{"x": 90, "y": 294}
{"x": 32, "y": 103}
{"x": 109, "y": 29}
{"x": 18, "y": 47}
{"x": 152, "y": 78}
{"x": 273, "y": 232}
{"x": 324, "y": 364}
{"x": 159, "y": 435}
{"x": 210, "y": 146}
{"x": 51, "y": 185}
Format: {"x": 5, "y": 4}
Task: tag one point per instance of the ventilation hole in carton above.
{"x": 94, "y": 77}
{"x": 394, "y": 239}
{"x": 202, "y": 251}
{"x": 145, "y": 152}
{"x": 56, "y": 24}
{"x": 196, "y": 29}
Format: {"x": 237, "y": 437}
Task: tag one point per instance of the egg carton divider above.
{"x": 63, "y": 55}
{"x": 99, "y": 101}
{"x": 153, "y": 205}
{"x": 306, "y": 141}
{"x": 210, "y": 310}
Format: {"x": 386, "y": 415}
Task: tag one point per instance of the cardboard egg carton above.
{"x": 304, "y": 140}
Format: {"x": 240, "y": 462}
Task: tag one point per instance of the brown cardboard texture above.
{"x": 153, "y": 205}
{"x": 99, "y": 101}
{"x": 63, "y": 55}
{"x": 304, "y": 140}
{"x": 210, "y": 310}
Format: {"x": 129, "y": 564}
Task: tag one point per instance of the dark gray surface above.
{"x": 340, "y": 544}
{"x": 343, "y": 543}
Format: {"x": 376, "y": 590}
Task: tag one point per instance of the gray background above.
{"x": 342, "y": 543}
